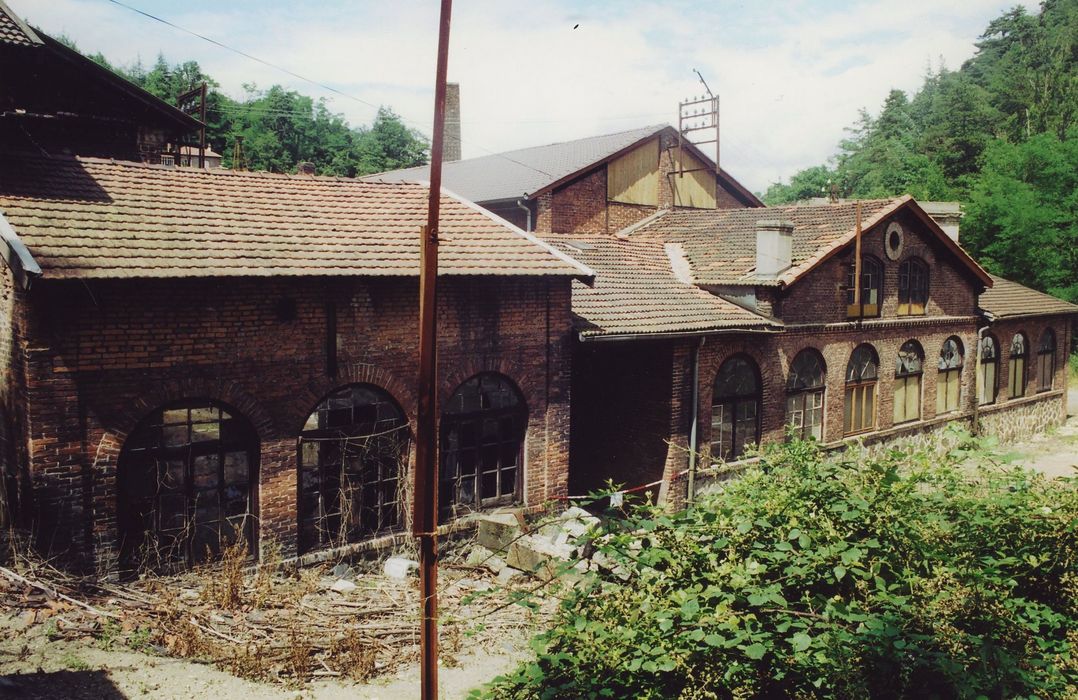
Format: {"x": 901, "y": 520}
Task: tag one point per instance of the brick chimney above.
{"x": 451, "y": 150}
{"x": 774, "y": 247}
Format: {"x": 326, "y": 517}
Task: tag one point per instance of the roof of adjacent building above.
{"x": 720, "y": 244}
{"x": 529, "y": 172}
{"x": 637, "y": 292}
{"x": 1007, "y": 299}
{"x": 98, "y": 218}
{"x": 13, "y": 30}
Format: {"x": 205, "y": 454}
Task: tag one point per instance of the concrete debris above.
{"x": 342, "y": 570}
{"x": 481, "y": 556}
{"x": 399, "y": 567}
{"x": 498, "y": 530}
{"x": 508, "y": 574}
{"x": 538, "y": 555}
{"x": 343, "y": 586}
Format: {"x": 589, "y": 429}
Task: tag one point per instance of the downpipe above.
{"x": 527, "y": 209}
{"x": 690, "y": 496}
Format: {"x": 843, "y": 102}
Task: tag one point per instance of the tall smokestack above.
{"x": 452, "y": 122}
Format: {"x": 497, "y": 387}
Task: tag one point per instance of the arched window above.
{"x": 871, "y": 288}
{"x": 988, "y": 370}
{"x": 735, "y": 408}
{"x": 1016, "y": 370}
{"x": 804, "y": 394}
{"x": 909, "y": 366}
{"x": 351, "y": 454}
{"x": 912, "y": 287}
{"x": 1046, "y": 360}
{"x": 186, "y": 479}
{"x": 482, "y": 444}
{"x": 862, "y": 375}
{"x": 949, "y": 379}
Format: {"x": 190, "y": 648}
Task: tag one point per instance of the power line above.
{"x": 298, "y": 76}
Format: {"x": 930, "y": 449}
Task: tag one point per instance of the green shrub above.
{"x": 844, "y": 577}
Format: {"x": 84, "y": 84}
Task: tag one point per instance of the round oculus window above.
{"x": 893, "y": 240}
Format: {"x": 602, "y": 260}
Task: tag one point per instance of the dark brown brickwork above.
{"x": 104, "y": 354}
{"x": 580, "y": 206}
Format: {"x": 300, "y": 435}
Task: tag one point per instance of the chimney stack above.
{"x": 305, "y": 167}
{"x": 451, "y": 150}
{"x": 774, "y": 247}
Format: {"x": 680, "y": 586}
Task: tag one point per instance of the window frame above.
{"x": 861, "y": 393}
{"x": 450, "y": 485}
{"x": 806, "y": 399}
{"x": 864, "y": 310}
{"x": 1017, "y": 367}
{"x": 948, "y": 375}
{"x": 1046, "y": 360}
{"x": 324, "y": 526}
{"x": 987, "y": 357}
{"x": 908, "y": 270}
{"x": 731, "y": 403}
{"x": 905, "y": 379}
{"x": 149, "y": 444}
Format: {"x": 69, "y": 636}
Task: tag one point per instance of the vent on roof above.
{"x": 580, "y": 245}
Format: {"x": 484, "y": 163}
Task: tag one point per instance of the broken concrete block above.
{"x": 538, "y": 556}
{"x": 343, "y": 586}
{"x": 342, "y": 570}
{"x": 481, "y": 556}
{"x": 399, "y": 567}
{"x": 508, "y": 574}
{"x": 498, "y": 530}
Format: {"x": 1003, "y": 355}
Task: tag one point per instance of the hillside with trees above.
{"x": 1000, "y": 135}
{"x": 280, "y": 128}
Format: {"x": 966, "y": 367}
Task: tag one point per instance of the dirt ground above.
{"x": 1055, "y": 453}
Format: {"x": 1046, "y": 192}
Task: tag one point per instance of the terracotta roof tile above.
{"x": 637, "y": 292}
{"x": 721, "y": 243}
{"x": 13, "y": 30}
{"x": 1007, "y": 298}
{"x": 89, "y": 217}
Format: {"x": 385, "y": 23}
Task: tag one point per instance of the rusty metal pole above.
{"x": 425, "y": 492}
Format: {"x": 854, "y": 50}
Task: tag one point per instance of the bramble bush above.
{"x": 848, "y": 576}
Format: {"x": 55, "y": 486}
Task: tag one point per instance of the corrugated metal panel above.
{"x": 693, "y": 189}
{"x": 634, "y": 177}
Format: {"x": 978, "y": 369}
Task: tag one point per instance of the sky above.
{"x": 790, "y": 75}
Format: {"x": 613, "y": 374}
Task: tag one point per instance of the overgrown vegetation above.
{"x": 897, "y": 576}
{"x": 998, "y": 134}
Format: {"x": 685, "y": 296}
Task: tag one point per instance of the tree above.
{"x": 806, "y": 184}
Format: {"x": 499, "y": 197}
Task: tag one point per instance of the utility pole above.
{"x": 425, "y": 491}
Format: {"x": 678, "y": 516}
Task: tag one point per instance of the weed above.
{"x": 73, "y": 663}
{"x": 354, "y": 656}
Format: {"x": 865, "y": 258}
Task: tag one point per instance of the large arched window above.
{"x": 804, "y": 394}
{"x": 1016, "y": 369}
{"x": 871, "y": 288}
{"x": 949, "y": 379}
{"x": 351, "y": 455}
{"x": 862, "y": 376}
{"x": 912, "y": 287}
{"x": 909, "y": 366}
{"x": 1046, "y": 360}
{"x": 187, "y": 480}
{"x": 483, "y": 430}
{"x": 735, "y": 408}
{"x": 988, "y": 370}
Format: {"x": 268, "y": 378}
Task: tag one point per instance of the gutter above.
{"x": 17, "y": 256}
{"x": 520, "y": 205}
{"x": 618, "y": 337}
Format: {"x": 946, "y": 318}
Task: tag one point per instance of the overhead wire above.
{"x": 304, "y": 78}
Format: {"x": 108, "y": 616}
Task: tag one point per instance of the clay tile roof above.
{"x": 531, "y": 171}
{"x": 13, "y": 30}
{"x": 90, "y": 217}
{"x": 721, "y": 243}
{"x": 636, "y": 291}
{"x": 1007, "y": 298}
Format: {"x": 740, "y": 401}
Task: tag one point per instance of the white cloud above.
{"x": 791, "y": 75}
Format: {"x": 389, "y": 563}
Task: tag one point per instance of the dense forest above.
{"x": 280, "y": 128}
{"x": 1000, "y": 135}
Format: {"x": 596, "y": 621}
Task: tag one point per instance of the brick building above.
{"x": 707, "y": 331}
{"x": 599, "y": 184}
{"x": 191, "y": 355}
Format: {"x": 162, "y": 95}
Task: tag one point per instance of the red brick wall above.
{"x": 819, "y": 298}
{"x": 580, "y": 206}
{"x": 109, "y": 352}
